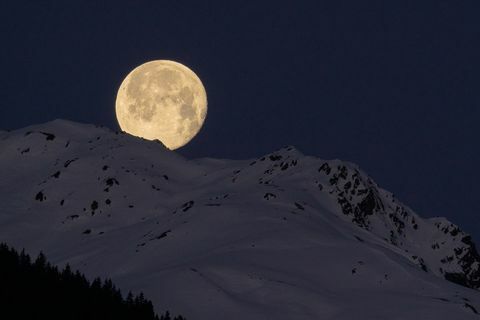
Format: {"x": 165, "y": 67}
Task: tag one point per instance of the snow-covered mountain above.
{"x": 284, "y": 236}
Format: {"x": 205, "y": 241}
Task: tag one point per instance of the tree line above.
{"x": 36, "y": 289}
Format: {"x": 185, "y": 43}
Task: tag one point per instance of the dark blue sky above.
{"x": 391, "y": 86}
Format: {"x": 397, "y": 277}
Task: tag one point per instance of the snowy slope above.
{"x": 284, "y": 236}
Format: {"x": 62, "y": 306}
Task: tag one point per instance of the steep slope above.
{"x": 284, "y": 236}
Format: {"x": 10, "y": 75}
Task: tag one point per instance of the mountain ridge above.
{"x": 107, "y": 202}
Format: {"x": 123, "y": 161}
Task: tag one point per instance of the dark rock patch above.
{"x": 94, "y": 206}
{"x": 269, "y": 195}
{"x": 68, "y": 162}
{"x": 326, "y": 168}
{"x": 40, "y": 196}
{"x": 299, "y": 206}
{"x": 368, "y": 204}
{"x": 49, "y": 136}
{"x": 469, "y": 306}
{"x": 275, "y": 157}
{"x": 187, "y": 205}
{"x": 163, "y": 235}
{"x": 467, "y": 240}
{"x": 421, "y": 262}
{"x": 110, "y": 182}
{"x": 454, "y": 232}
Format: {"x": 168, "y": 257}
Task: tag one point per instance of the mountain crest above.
{"x": 285, "y": 229}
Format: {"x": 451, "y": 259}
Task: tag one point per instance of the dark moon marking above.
{"x": 187, "y": 111}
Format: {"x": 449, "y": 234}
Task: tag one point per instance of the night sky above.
{"x": 393, "y": 87}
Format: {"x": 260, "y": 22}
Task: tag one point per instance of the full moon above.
{"x": 162, "y": 100}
